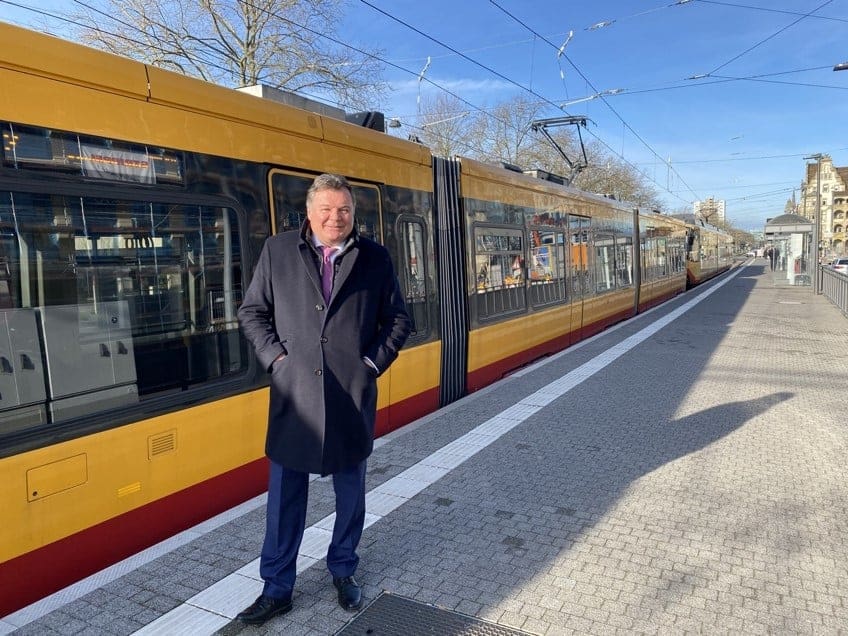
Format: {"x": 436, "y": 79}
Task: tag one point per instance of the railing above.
{"x": 834, "y": 286}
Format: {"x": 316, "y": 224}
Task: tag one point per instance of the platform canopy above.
{"x": 786, "y": 224}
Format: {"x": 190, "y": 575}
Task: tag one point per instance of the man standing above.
{"x": 326, "y": 317}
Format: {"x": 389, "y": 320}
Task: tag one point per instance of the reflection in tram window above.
{"x": 413, "y": 273}
{"x": 31, "y": 148}
{"x": 547, "y": 267}
{"x": 289, "y": 192}
{"x": 624, "y": 260}
{"x": 165, "y": 277}
{"x": 500, "y": 270}
{"x": 581, "y": 273}
{"x": 604, "y": 262}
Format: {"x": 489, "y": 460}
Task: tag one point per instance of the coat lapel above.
{"x": 346, "y": 263}
{"x": 307, "y": 256}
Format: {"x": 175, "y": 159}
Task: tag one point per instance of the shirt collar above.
{"x": 318, "y": 244}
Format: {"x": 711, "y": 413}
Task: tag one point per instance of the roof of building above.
{"x": 841, "y": 172}
{"x": 787, "y": 224}
{"x": 788, "y": 219}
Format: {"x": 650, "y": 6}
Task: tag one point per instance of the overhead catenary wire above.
{"x": 525, "y": 88}
{"x": 517, "y": 84}
{"x": 605, "y": 23}
{"x": 764, "y": 40}
{"x": 603, "y": 99}
{"x": 529, "y": 90}
{"x": 736, "y": 5}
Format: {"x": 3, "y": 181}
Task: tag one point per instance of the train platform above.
{"x": 681, "y": 472}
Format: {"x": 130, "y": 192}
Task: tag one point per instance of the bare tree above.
{"x": 503, "y": 133}
{"x": 286, "y": 44}
{"x": 709, "y": 214}
{"x": 610, "y": 175}
{"x": 445, "y": 126}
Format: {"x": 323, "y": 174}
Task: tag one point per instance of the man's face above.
{"x": 330, "y": 215}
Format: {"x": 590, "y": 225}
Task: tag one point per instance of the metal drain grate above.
{"x": 391, "y": 615}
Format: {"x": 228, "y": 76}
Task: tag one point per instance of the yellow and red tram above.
{"x": 133, "y": 204}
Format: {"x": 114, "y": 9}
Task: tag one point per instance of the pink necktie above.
{"x": 327, "y": 272}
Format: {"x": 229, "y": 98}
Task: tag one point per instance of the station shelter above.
{"x": 789, "y": 249}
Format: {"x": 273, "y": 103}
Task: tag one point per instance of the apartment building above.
{"x": 834, "y": 204}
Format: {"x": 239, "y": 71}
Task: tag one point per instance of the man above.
{"x": 326, "y": 317}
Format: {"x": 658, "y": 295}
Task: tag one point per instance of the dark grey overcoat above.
{"x": 323, "y": 394}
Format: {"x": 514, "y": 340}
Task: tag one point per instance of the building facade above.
{"x": 831, "y": 185}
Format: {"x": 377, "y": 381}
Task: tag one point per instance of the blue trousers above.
{"x": 288, "y": 493}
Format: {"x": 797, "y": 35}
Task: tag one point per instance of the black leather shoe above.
{"x": 263, "y": 608}
{"x": 350, "y": 594}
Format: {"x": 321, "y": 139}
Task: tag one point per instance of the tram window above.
{"x": 623, "y": 261}
{"x": 9, "y": 275}
{"x": 547, "y": 267}
{"x": 148, "y": 289}
{"x": 581, "y": 274}
{"x": 500, "y": 271}
{"x": 367, "y": 212}
{"x": 289, "y": 196}
{"x": 662, "y": 258}
{"x": 653, "y": 257}
{"x": 679, "y": 257}
{"x": 28, "y": 147}
{"x": 646, "y": 249}
{"x": 604, "y": 262}
{"x": 413, "y": 274}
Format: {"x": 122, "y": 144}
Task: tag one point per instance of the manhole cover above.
{"x": 392, "y": 615}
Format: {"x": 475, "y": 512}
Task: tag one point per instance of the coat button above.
{"x": 318, "y": 372}
{"x": 323, "y": 339}
{"x": 319, "y": 307}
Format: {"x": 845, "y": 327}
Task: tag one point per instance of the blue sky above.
{"x": 768, "y": 96}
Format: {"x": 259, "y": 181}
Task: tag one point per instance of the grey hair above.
{"x": 328, "y": 181}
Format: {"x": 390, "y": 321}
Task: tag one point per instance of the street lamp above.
{"x": 817, "y": 221}
{"x": 842, "y": 66}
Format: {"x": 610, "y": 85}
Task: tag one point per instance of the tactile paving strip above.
{"x": 392, "y": 615}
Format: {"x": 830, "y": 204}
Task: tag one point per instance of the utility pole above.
{"x": 816, "y": 222}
